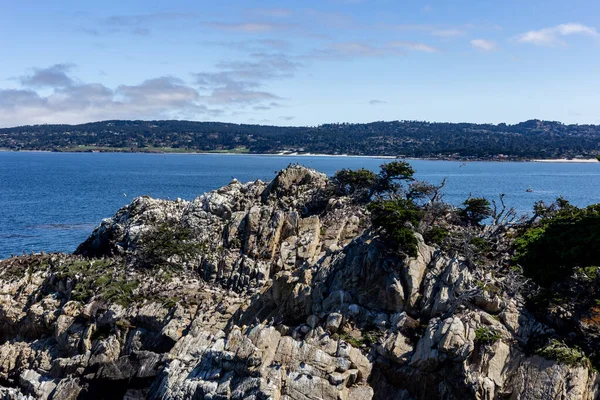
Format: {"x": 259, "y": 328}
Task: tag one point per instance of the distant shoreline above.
{"x": 295, "y": 154}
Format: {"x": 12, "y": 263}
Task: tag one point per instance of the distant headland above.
{"x": 530, "y": 140}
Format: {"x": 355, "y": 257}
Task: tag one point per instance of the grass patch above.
{"x": 486, "y": 335}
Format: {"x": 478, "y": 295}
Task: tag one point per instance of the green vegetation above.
{"x": 391, "y": 211}
{"x": 530, "y": 139}
{"x": 356, "y": 183}
{"x": 486, "y": 335}
{"x": 475, "y": 210}
{"x": 566, "y": 237}
{"x": 392, "y": 216}
{"x": 164, "y": 242}
{"x": 96, "y": 278}
{"x": 435, "y": 235}
{"x": 559, "y": 351}
{"x": 367, "y": 338}
{"x": 480, "y": 244}
{"x": 392, "y": 177}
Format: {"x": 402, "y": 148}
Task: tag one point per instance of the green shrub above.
{"x": 559, "y": 351}
{"x": 562, "y": 241}
{"x": 486, "y": 335}
{"x": 435, "y": 235}
{"x": 357, "y": 183}
{"x": 475, "y": 210}
{"x": 164, "y": 242}
{"x": 480, "y": 244}
{"x": 392, "y": 216}
{"x": 391, "y": 177}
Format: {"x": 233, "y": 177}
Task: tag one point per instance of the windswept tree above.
{"x": 392, "y": 178}
{"x": 394, "y": 218}
{"x": 356, "y": 183}
{"x": 475, "y": 210}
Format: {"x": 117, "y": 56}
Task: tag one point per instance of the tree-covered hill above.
{"x": 530, "y": 139}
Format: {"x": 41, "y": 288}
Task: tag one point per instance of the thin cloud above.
{"x": 344, "y": 50}
{"x": 73, "y": 101}
{"x": 483, "y": 44}
{"x": 53, "y": 76}
{"x": 236, "y": 82}
{"x": 414, "y": 46}
{"x": 253, "y": 46}
{"x": 553, "y": 36}
{"x": 376, "y": 102}
{"x": 447, "y": 33}
{"x": 248, "y": 27}
{"x": 271, "y": 12}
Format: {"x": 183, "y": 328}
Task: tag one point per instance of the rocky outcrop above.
{"x": 275, "y": 290}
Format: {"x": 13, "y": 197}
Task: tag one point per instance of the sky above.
{"x": 300, "y": 63}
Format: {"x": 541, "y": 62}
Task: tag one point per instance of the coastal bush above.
{"x": 435, "y": 235}
{"x": 559, "y": 351}
{"x": 357, "y": 183}
{"x": 475, "y": 210}
{"x": 563, "y": 240}
{"x": 391, "y": 178}
{"x": 393, "y": 218}
{"x": 486, "y": 335}
{"x": 166, "y": 242}
{"x": 480, "y": 244}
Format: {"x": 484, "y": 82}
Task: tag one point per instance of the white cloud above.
{"x": 342, "y": 50}
{"x": 414, "y": 46}
{"x": 447, "y": 33}
{"x": 483, "y": 44}
{"x": 71, "y": 101}
{"x": 236, "y": 82}
{"x": 553, "y": 36}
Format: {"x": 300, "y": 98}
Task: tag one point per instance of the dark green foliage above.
{"x": 486, "y": 335}
{"x": 391, "y": 177}
{"x": 357, "y": 183}
{"x": 562, "y": 241}
{"x": 480, "y": 244}
{"x": 530, "y": 139}
{"x": 475, "y": 210}
{"x": 559, "y": 351}
{"x": 392, "y": 217}
{"x": 166, "y": 241}
{"x": 435, "y": 235}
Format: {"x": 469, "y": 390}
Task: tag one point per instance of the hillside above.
{"x": 533, "y": 139}
{"x": 304, "y": 288}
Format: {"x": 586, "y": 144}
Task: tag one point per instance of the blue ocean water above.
{"x": 52, "y": 201}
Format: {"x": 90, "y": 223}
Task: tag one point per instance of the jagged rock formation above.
{"x": 267, "y": 291}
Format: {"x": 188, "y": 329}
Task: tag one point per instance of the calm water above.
{"x": 52, "y": 201}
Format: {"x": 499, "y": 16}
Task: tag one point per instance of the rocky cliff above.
{"x": 279, "y": 290}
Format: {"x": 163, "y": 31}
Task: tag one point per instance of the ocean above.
{"x": 52, "y": 201}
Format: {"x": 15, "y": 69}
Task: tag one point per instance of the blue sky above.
{"x": 300, "y": 63}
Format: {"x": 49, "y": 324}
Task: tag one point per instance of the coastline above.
{"x": 566, "y": 160}
{"x": 294, "y": 154}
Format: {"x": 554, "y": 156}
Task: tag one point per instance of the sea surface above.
{"x": 52, "y": 201}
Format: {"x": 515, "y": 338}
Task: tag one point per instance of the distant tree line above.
{"x": 530, "y": 139}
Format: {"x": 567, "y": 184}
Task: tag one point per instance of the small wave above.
{"x": 65, "y": 227}
{"x": 16, "y": 236}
